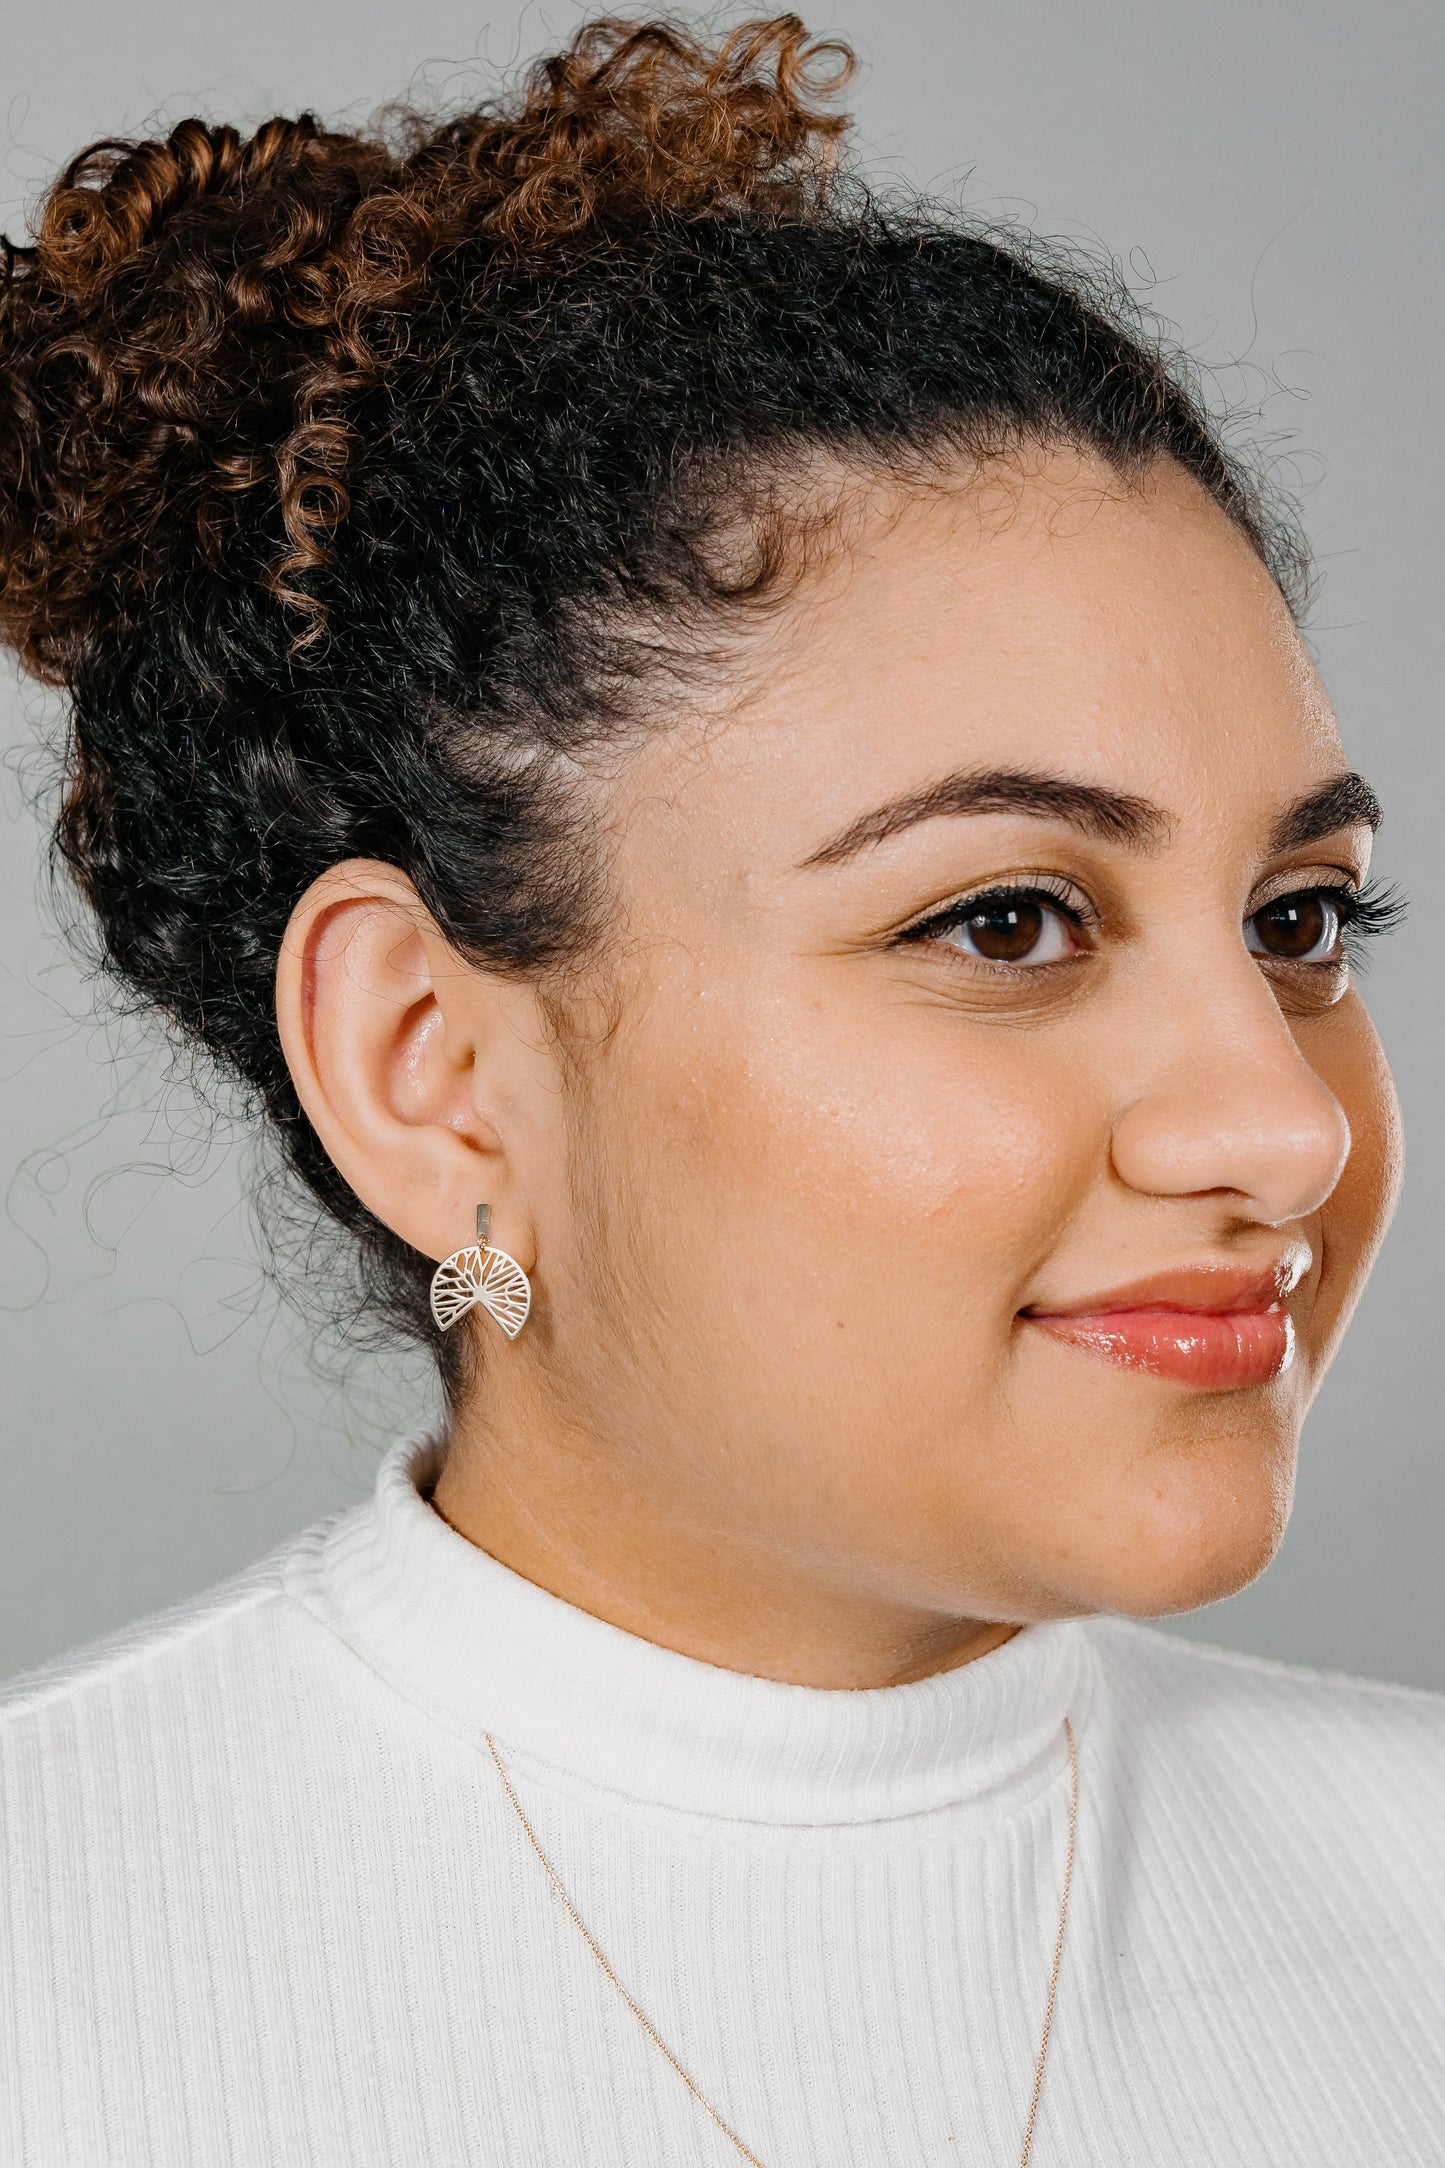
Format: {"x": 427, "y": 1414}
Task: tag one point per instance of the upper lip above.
{"x": 1210, "y": 1289}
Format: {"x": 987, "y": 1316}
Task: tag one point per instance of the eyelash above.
{"x": 1365, "y": 913}
{"x": 1058, "y": 894}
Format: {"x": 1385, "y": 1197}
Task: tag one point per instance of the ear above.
{"x": 424, "y": 1077}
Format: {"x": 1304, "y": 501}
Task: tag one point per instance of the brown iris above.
{"x": 1006, "y": 930}
{"x": 1296, "y": 927}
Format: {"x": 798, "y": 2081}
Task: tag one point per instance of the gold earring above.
{"x": 481, "y": 1275}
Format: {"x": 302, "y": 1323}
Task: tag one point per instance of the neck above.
{"x": 488, "y": 1651}
{"x": 611, "y": 1535}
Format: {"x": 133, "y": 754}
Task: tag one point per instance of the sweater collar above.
{"x": 486, "y": 1651}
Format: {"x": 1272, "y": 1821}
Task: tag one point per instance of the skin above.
{"x": 791, "y": 1187}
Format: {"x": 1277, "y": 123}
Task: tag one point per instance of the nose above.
{"x": 1232, "y": 1105}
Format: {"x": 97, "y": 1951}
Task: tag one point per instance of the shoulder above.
{"x": 165, "y": 1674}
{"x": 1276, "y": 1744}
{"x": 1168, "y": 1679}
{"x": 159, "y": 1769}
{"x": 159, "y": 1643}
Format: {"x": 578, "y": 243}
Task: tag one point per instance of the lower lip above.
{"x": 1214, "y": 1351}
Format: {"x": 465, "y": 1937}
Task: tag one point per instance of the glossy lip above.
{"x": 1214, "y": 1327}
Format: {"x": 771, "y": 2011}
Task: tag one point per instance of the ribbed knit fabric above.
{"x": 264, "y": 1902}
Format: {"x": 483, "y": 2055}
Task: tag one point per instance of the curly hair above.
{"x": 352, "y": 484}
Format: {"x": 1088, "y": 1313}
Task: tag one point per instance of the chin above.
{"x": 1204, "y": 1532}
{"x": 1188, "y": 1579}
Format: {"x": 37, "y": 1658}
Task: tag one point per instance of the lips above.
{"x": 1218, "y": 1330}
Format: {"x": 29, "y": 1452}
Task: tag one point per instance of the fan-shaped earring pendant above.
{"x": 481, "y": 1276}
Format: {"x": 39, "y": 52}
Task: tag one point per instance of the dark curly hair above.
{"x": 353, "y": 485}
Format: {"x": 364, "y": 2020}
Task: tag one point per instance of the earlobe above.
{"x": 381, "y": 1024}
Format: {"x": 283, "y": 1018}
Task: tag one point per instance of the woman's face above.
{"x": 983, "y": 1159}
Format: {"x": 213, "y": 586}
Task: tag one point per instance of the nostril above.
{"x": 1273, "y": 1136}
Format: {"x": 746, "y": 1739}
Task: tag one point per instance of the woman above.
{"x": 732, "y": 769}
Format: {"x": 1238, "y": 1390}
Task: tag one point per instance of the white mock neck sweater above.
{"x": 263, "y": 1902}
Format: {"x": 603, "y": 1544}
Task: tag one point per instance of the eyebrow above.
{"x": 1345, "y": 801}
{"x": 1111, "y": 815}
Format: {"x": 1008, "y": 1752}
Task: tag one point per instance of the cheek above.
{"x": 900, "y": 1179}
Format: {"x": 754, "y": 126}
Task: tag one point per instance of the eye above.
{"x": 1307, "y": 928}
{"x": 1012, "y": 927}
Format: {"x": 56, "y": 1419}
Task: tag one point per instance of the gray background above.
{"x": 1272, "y": 172}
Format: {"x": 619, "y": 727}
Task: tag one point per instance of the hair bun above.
{"x": 195, "y": 313}
{"x": 643, "y": 120}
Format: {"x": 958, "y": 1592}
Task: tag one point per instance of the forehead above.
{"x": 1048, "y": 616}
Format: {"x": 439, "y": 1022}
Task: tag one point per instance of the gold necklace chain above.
{"x": 560, "y": 1889}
